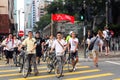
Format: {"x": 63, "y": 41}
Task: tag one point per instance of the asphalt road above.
{"x": 107, "y": 70}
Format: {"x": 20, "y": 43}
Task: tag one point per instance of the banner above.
{"x": 62, "y": 17}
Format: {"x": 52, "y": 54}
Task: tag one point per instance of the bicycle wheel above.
{"x": 44, "y": 56}
{"x": 69, "y": 62}
{"x": 49, "y": 65}
{"x": 15, "y": 58}
{"x": 21, "y": 63}
{"x": 25, "y": 68}
{"x": 57, "y": 70}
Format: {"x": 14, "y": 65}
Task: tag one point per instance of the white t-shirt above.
{"x": 50, "y": 42}
{"x": 73, "y": 43}
{"x": 105, "y": 33}
{"x": 16, "y": 42}
{"x": 9, "y": 44}
{"x": 58, "y": 47}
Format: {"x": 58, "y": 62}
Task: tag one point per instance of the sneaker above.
{"x": 61, "y": 75}
{"x": 36, "y": 73}
{"x": 74, "y": 68}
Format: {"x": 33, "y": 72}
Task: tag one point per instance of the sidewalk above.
{"x": 113, "y": 56}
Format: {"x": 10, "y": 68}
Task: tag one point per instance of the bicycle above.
{"x": 21, "y": 57}
{"x": 69, "y": 62}
{"x": 45, "y": 54}
{"x": 54, "y": 63}
{"x": 15, "y": 57}
{"x": 23, "y": 62}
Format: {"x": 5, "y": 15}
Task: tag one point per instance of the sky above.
{"x": 20, "y": 6}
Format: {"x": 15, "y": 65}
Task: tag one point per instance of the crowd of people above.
{"x": 35, "y": 47}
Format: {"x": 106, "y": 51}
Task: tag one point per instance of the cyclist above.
{"x": 30, "y": 42}
{"x": 73, "y": 48}
{"x": 69, "y": 36}
{"x": 59, "y": 46}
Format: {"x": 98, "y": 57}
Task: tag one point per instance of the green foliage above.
{"x": 44, "y": 21}
{"x": 75, "y": 8}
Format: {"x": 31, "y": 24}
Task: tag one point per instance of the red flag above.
{"x": 61, "y": 17}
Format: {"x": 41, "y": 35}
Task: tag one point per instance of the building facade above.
{"x": 6, "y": 16}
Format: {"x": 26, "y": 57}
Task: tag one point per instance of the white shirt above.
{"x": 73, "y": 43}
{"x": 50, "y": 42}
{"x": 105, "y": 33}
{"x": 58, "y": 48}
{"x": 16, "y": 42}
{"x": 9, "y": 44}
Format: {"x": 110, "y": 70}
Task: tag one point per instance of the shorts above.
{"x": 95, "y": 53}
{"x": 9, "y": 54}
{"x": 38, "y": 54}
{"x": 74, "y": 54}
{"x": 106, "y": 43}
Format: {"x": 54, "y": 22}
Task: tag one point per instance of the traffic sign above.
{"x": 21, "y": 33}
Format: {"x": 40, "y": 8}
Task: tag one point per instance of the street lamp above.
{"x": 19, "y": 16}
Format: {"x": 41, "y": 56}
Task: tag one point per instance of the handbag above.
{"x": 92, "y": 44}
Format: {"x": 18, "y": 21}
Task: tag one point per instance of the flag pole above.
{"x": 51, "y": 25}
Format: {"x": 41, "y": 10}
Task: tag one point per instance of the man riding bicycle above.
{"x": 30, "y": 42}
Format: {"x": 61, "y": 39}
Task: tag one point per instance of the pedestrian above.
{"x": 101, "y": 36}
{"x": 107, "y": 36}
{"x": 95, "y": 49}
{"x": 39, "y": 48}
{"x": 69, "y": 36}
{"x": 31, "y": 44}
{"x": 73, "y": 48}
{"x": 9, "y": 49}
{"x": 50, "y": 42}
{"x": 17, "y": 42}
{"x": 59, "y": 46}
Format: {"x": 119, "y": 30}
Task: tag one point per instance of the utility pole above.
{"x": 19, "y": 19}
{"x": 84, "y": 28}
{"x": 106, "y": 3}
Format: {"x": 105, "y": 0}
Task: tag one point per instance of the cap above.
{"x": 70, "y": 32}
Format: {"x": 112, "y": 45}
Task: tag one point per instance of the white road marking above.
{"x": 113, "y": 62}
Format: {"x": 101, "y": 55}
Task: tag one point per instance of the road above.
{"x": 107, "y": 70}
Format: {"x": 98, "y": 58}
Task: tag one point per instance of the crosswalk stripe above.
{"x": 5, "y": 65}
{"x": 92, "y": 76}
{"x": 117, "y": 79}
{"x": 17, "y": 74}
{"x": 52, "y": 75}
{"x": 2, "y": 71}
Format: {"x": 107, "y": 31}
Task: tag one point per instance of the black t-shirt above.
{"x": 39, "y": 42}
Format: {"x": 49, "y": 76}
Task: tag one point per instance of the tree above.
{"x": 44, "y": 21}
